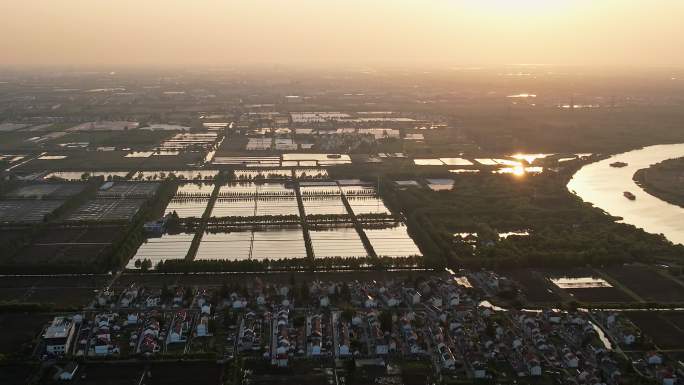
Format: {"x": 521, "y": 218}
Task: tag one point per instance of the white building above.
{"x": 58, "y": 336}
{"x": 203, "y": 327}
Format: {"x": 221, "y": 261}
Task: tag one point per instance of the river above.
{"x": 603, "y": 186}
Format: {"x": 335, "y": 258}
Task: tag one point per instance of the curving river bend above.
{"x": 603, "y": 186}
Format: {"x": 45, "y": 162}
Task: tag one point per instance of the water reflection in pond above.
{"x": 391, "y": 241}
{"x": 271, "y": 243}
{"x": 440, "y": 184}
{"x": 78, "y": 175}
{"x": 168, "y": 246}
{"x": 580, "y": 282}
{"x": 338, "y": 241}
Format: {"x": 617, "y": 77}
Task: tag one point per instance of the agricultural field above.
{"x": 105, "y": 209}
{"x": 664, "y": 328}
{"x": 324, "y": 205}
{"x": 27, "y": 211}
{"x": 46, "y": 191}
{"x": 336, "y": 241}
{"x": 587, "y": 286}
{"x": 261, "y": 243}
{"x": 647, "y": 284}
{"x": 80, "y": 175}
{"x": 63, "y": 245}
{"x": 128, "y": 189}
{"x": 168, "y": 246}
{"x": 85, "y": 161}
{"x": 195, "y": 175}
{"x": 247, "y": 199}
{"x": 62, "y": 292}
{"x": 391, "y": 240}
{"x": 534, "y": 286}
{"x": 17, "y": 331}
{"x": 190, "y": 200}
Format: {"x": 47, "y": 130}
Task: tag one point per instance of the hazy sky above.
{"x": 345, "y": 32}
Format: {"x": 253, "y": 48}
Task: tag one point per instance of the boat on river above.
{"x": 629, "y": 195}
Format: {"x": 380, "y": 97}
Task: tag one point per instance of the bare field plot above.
{"x": 46, "y": 191}
{"x": 103, "y": 209}
{"x": 17, "y": 329}
{"x": 128, "y": 189}
{"x": 534, "y": 286}
{"x": 648, "y": 284}
{"x": 664, "y": 333}
{"x": 27, "y": 211}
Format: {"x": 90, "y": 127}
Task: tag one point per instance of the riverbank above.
{"x": 603, "y": 186}
{"x": 664, "y": 180}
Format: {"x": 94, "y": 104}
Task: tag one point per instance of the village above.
{"x": 439, "y": 328}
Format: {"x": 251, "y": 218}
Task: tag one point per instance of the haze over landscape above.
{"x": 173, "y": 33}
{"x": 341, "y": 192}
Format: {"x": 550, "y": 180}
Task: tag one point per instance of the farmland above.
{"x": 647, "y": 283}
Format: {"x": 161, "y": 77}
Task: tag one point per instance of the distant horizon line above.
{"x": 339, "y": 67}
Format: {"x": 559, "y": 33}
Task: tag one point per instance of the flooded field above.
{"x": 367, "y": 205}
{"x": 586, "y": 285}
{"x": 234, "y": 245}
{"x": 277, "y": 206}
{"x": 187, "y": 207}
{"x": 407, "y": 183}
{"x": 456, "y": 161}
{"x": 263, "y": 174}
{"x": 580, "y": 282}
{"x": 319, "y": 188}
{"x": 246, "y": 199}
{"x": 82, "y": 175}
{"x": 317, "y": 159}
{"x": 166, "y": 247}
{"x": 324, "y": 205}
{"x": 186, "y": 175}
{"x": 279, "y": 243}
{"x": 428, "y": 162}
{"x": 337, "y": 241}
{"x": 271, "y": 189}
{"x": 238, "y": 190}
{"x": 519, "y": 170}
{"x": 234, "y": 207}
{"x": 486, "y": 162}
{"x": 195, "y": 190}
{"x": 272, "y": 243}
{"x": 392, "y": 241}
{"x": 310, "y": 173}
{"x": 440, "y": 184}
{"x": 191, "y": 200}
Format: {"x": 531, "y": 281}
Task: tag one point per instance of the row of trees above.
{"x": 292, "y": 264}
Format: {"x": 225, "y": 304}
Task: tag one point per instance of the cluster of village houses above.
{"x": 440, "y": 320}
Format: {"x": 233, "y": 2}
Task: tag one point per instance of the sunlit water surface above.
{"x": 603, "y": 186}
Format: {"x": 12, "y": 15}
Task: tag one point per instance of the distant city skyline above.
{"x": 331, "y": 33}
